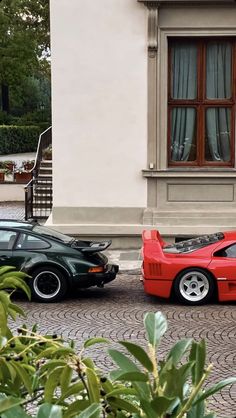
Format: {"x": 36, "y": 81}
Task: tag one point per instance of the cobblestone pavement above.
{"x": 12, "y": 210}
{"x": 117, "y": 312}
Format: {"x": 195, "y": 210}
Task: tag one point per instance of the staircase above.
{"x": 38, "y": 192}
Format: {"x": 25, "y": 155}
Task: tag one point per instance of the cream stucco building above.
{"x": 143, "y": 117}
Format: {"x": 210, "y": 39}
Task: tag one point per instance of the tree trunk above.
{"x": 5, "y": 98}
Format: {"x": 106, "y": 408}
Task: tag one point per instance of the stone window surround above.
{"x": 157, "y": 70}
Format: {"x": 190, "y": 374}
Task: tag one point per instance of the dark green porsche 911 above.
{"x": 56, "y": 262}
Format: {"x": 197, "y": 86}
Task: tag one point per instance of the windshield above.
{"x": 43, "y": 230}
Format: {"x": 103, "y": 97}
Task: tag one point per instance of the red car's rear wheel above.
{"x": 194, "y": 286}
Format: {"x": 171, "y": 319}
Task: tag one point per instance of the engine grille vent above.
{"x": 155, "y": 269}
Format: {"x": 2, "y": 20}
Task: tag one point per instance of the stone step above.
{"x": 40, "y": 190}
{"x": 46, "y": 163}
{"x": 44, "y": 171}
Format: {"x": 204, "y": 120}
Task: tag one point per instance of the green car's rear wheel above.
{"x": 48, "y": 284}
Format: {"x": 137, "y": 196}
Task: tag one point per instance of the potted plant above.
{"x": 2, "y": 171}
{"x": 28, "y": 165}
{"x": 47, "y": 153}
{"x": 8, "y": 167}
{"x": 22, "y": 176}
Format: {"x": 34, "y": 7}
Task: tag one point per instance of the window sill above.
{"x": 191, "y": 172}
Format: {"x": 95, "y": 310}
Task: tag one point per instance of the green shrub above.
{"x": 46, "y": 372}
{"x": 18, "y": 139}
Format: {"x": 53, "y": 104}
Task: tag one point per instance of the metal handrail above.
{"x": 45, "y": 139}
{"x": 29, "y": 200}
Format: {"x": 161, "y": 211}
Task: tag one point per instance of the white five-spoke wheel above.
{"x": 194, "y": 286}
{"x": 48, "y": 284}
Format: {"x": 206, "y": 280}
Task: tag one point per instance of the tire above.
{"x": 48, "y": 285}
{"x": 194, "y": 286}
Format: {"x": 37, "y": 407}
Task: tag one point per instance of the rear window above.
{"x": 193, "y": 244}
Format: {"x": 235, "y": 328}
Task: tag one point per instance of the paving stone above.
{"x": 12, "y": 210}
{"x": 116, "y": 312}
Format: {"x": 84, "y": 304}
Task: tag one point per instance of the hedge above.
{"x": 16, "y": 139}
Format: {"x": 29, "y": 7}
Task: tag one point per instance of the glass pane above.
{"x": 218, "y": 131}
{"x": 183, "y": 134}
{"x": 7, "y": 239}
{"x": 218, "y": 70}
{"x": 28, "y": 242}
{"x": 184, "y": 70}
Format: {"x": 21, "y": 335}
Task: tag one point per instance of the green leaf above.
{"x": 23, "y": 376}
{"x": 3, "y": 320}
{"x": 88, "y": 362}
{"x": 146, "y": 406}
{"x": 93, "y": 385}
{"x": 174, "y": 380}
{"x": 161, "y": 404}
{"x": 93, "y": 411}
{"x": 8, "y": 403}
{"x": 132, "y": 377}
{"x": 65, "y": 378}
{"x": 17, "y": 309}
{"x": 52, "y": 364}
{"x": 121, "y": 391}
{"x": 123, "y": 362}
{"x": 15, "y": 283}
{"x": 51, "y": 383}
{"x": 49, "y": 411}
{"x": 123, "y": 404}
{"x": 156, "y": 326}
{"x": 216, "y": 388}
{"x": 5, "y": 269}
{"x": 126, "y": 365}
{"x": 178, "y": 350}
{"x": 74, "y": 389}
{"x": 92, "y": 341}
{"x": 198, "y": 356}
{"x": 47, "y": 353}
{"x": 3, "y": 342}
{"x": 76, "y": 407}
{"x": 16, "y": 412}
{"x": 197, "y": 411}
{"x": 139, "y": 353}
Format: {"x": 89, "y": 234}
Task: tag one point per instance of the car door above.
{"x": 223, "y": 263}
{"x": 7, "y": 240}
{"x": 29, "y": 250}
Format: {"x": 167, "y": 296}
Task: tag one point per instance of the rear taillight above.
{"x": 98, "y": 269}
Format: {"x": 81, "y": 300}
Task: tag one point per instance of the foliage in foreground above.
{"x": 46, "y": 372}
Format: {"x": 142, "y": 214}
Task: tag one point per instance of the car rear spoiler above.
{"x": 95, "y": 247}
{"x": 153, "y": 235}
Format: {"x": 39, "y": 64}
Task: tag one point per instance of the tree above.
{"x": 24, "y": 42}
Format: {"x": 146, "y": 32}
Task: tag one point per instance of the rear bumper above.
{"x": 226, "y": 290}
{"x": 156, "y": 287}
{"x": 97, "y": 279}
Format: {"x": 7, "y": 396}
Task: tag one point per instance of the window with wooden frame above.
{"x": 201, "y": 102}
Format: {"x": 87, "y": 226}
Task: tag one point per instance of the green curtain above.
{"x": 184, "y": 86}
{"x": 218, "y": 86}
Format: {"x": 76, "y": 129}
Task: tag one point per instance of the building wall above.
{"x": 110, "y": 121}
{"x": 99, "y": 68}
{"x": 185, "y": 200}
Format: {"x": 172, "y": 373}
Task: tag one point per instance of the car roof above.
{"x": 16, "y": 223}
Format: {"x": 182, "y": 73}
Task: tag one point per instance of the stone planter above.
{"x": 23, "y": 177}
{"x": 2, "y": 175}
{"x": 9, "y": 176}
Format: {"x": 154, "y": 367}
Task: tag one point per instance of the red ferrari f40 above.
{"x": 194, "y": 270}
